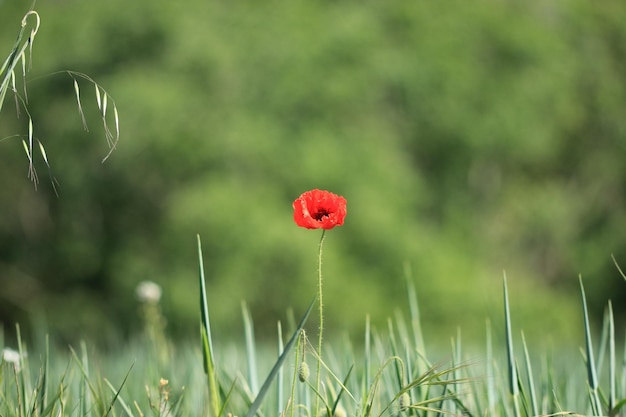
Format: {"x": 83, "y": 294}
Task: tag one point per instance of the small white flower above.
{"x": 148, "y": 292}
{"x": 11, "y": 356}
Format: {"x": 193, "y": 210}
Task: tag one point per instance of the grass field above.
{"x": 392, "y": 373}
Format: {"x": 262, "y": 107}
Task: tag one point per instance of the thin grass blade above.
{"x": 604, "y": 341}
{"x": 415, "y": 313}
{"x": 618, "y": 407}
{"x": 24, "y": 378}
{"x": 116, "y": 394}
{"x": 623, "y": 390}
{"x": 341, "y": 390}
{"x": 618, "y": 267}
{"x": 394, "y": 352}
{"x": 367, "y": 356}
{"x": 511, "y": 365}
{"x": 457, "y": 353}
{"x": 280, "y": 377}
{"x": 531, "y": 380}
{"x": 207, "y": 343}
{"x": 248, "y": 327}
{"x": 592, "y": 378}
{"x": 227, "y": 397}
{"x": 43, "y": 398}
{"x": 270, "y": 378}
{"x": 88, "y": 397}
{"x": 612, "y": 372}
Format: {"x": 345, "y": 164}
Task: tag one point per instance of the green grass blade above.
{"x": 227, "y": 397}
{"x": 24, "y": 378}
{"x": 342, "y": 390}
{"x": 511, "y": 365}
{"x": 367, "y": 357}
{"x": 592, "y": 378}
{"x": 333, "y": 377}
{"x": 415, "y": 313}
{"x": 300, "y": 347}
{"x": 116, "y": 394}
{"x": 531, "y": 381}
{"x": 88, "y": 394}
{"x": 51, "y": 408}
{"x": 618, "y": 267}
{"x": 206, "y": 324}
{"x": 623, "y": 390}
{"x": 273, "y": 373}
{"x": 404, "y": 342}
{"x": 214, "y": 398}
{"x": 48, "y": 410}
{"x": 615, "y": 411}
{"x": 251, "y": 355}
{"x": 83, "y": 391}
{"x": 394, "y": 352}
{"x": 550, "y": 384}
{"x": 42, "y": 392}
{"x": 612, "y": 373}
{"x": 457, "y": 350}
{"x": 457, "y": 354}
{"x": 207, "y": 343}
{"x": 280, "y": 377}
{"x": 604, "y": 341}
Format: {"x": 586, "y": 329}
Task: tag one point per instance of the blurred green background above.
{"x": 468, "y": 138}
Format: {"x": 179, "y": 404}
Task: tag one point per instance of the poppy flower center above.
{"x": 320, "y": 213}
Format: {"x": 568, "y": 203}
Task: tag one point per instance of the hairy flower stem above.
{"x": 319, "y": 343}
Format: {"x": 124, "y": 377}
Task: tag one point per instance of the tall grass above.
{"x": 389, "y": 375}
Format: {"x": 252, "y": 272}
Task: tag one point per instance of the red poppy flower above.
{"x": 318, "y": 209}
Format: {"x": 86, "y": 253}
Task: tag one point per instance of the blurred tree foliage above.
{"x": 468, "y": 138}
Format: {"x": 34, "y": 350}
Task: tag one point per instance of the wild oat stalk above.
{"x": 21, "y": 57}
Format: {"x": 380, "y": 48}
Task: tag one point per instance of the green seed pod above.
{"x": 404, "y": 401}
{"x": 303, "y": 372}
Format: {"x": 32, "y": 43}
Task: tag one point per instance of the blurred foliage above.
{"x": 468, "y": 138}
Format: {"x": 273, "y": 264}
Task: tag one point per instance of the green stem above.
{"x": 319, "y": 343}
